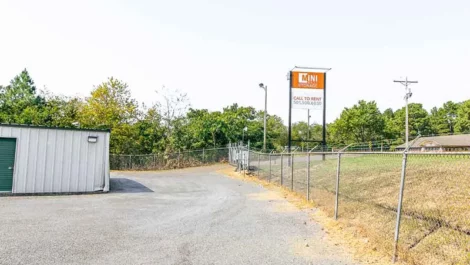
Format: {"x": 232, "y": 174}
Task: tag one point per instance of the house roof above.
{"x": 462, "y": 140}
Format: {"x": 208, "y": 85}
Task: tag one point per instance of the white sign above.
{"x": 307, "y": 99}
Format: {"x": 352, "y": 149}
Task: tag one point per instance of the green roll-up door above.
{"x": 7, "y": 162}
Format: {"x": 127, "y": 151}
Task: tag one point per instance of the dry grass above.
{"x": 435, "y": 228}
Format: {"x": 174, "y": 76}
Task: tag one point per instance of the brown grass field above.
{"x": 435, "y": 226}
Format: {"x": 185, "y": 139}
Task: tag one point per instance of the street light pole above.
{"x": 407, "y": 96}
{"x": 265, "y": 111}
{"x": 244, "y": 130}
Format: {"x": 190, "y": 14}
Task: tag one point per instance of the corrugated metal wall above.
{"x": 57, "y": 160}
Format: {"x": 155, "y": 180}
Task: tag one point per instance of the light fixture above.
{"x": 92, "y": 139}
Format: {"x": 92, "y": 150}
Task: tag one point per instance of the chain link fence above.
{"x": 410, "y": 204}
{"x": 181, "y": 159}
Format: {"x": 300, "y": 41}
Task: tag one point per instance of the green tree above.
{"x": 276, "y": 133}
{"x": 442, "y": 120}
{"x": 19, "y": 101}
{"x": 196, "y": 128}
{"x": 300, "y": 134}
{"x": 111, "y": 106}
{"x": 61, "y": 111}
{"x": 361, "y": 123}
{"x": 237, "y": 118}
{"x": 418, "y": 120}
{"x": 205, "y": 129}
{"x": 463, "y": 118}
{"x": 391, "y": 128}
{"x": 216, "y": 127}
{"x": 150, "y": 133}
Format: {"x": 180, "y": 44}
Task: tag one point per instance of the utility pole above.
{"x": 407, "y": 96}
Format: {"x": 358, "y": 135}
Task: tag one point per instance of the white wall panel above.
{"x": 58, "y": 160}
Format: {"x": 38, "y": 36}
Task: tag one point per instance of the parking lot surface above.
{"x": 191, "y": 216}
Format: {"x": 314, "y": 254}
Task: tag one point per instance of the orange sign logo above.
{"x": 308, "y": 80}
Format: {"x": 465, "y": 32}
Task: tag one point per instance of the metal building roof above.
{"x": 52, "y": 128}
{"x": 462, "y": 140}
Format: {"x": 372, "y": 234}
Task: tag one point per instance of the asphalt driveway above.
{"x": 192, "y": 216}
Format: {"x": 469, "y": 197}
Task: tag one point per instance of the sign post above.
{"x": 307, "y": 90}
{"x": 324, "y": 118}
{"x": 289, "y": 132}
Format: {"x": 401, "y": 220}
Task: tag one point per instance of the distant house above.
{"x": 448, "y": 143}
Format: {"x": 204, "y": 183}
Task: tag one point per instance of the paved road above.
{"x": 194, "y": 216}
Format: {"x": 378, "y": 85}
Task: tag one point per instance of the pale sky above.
{"x": 219, "y": 51}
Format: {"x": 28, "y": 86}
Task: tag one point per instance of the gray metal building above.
{"x": 53, "y": 160}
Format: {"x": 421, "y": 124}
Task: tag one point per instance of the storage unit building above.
{"x": 53, "y": 160}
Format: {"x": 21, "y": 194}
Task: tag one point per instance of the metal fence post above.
{"x": 239, "y": 159}
{"x": 308, "y": 176}
{"x": 240, "y": 155}
{"x": 338, "y": 171}
{"x": 248, "y": 162}
{"x": 400, "y": 203}
{"x": 243, "y": 164}
{"x": 282, "y": 170}
{"x": 292, "y": 173}
{"x": 130, "y": 162}
{"x": 269, "y": 179}
{"x": 179, "y": 153}
{"x": 259, "y": 164}
{"x": 204, "y": 155}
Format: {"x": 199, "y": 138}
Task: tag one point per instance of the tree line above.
{"x": 171, "y": 124}
{"x": 364, "y": 122}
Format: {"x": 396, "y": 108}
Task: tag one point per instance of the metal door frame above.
{"x": 15, "y": 158}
